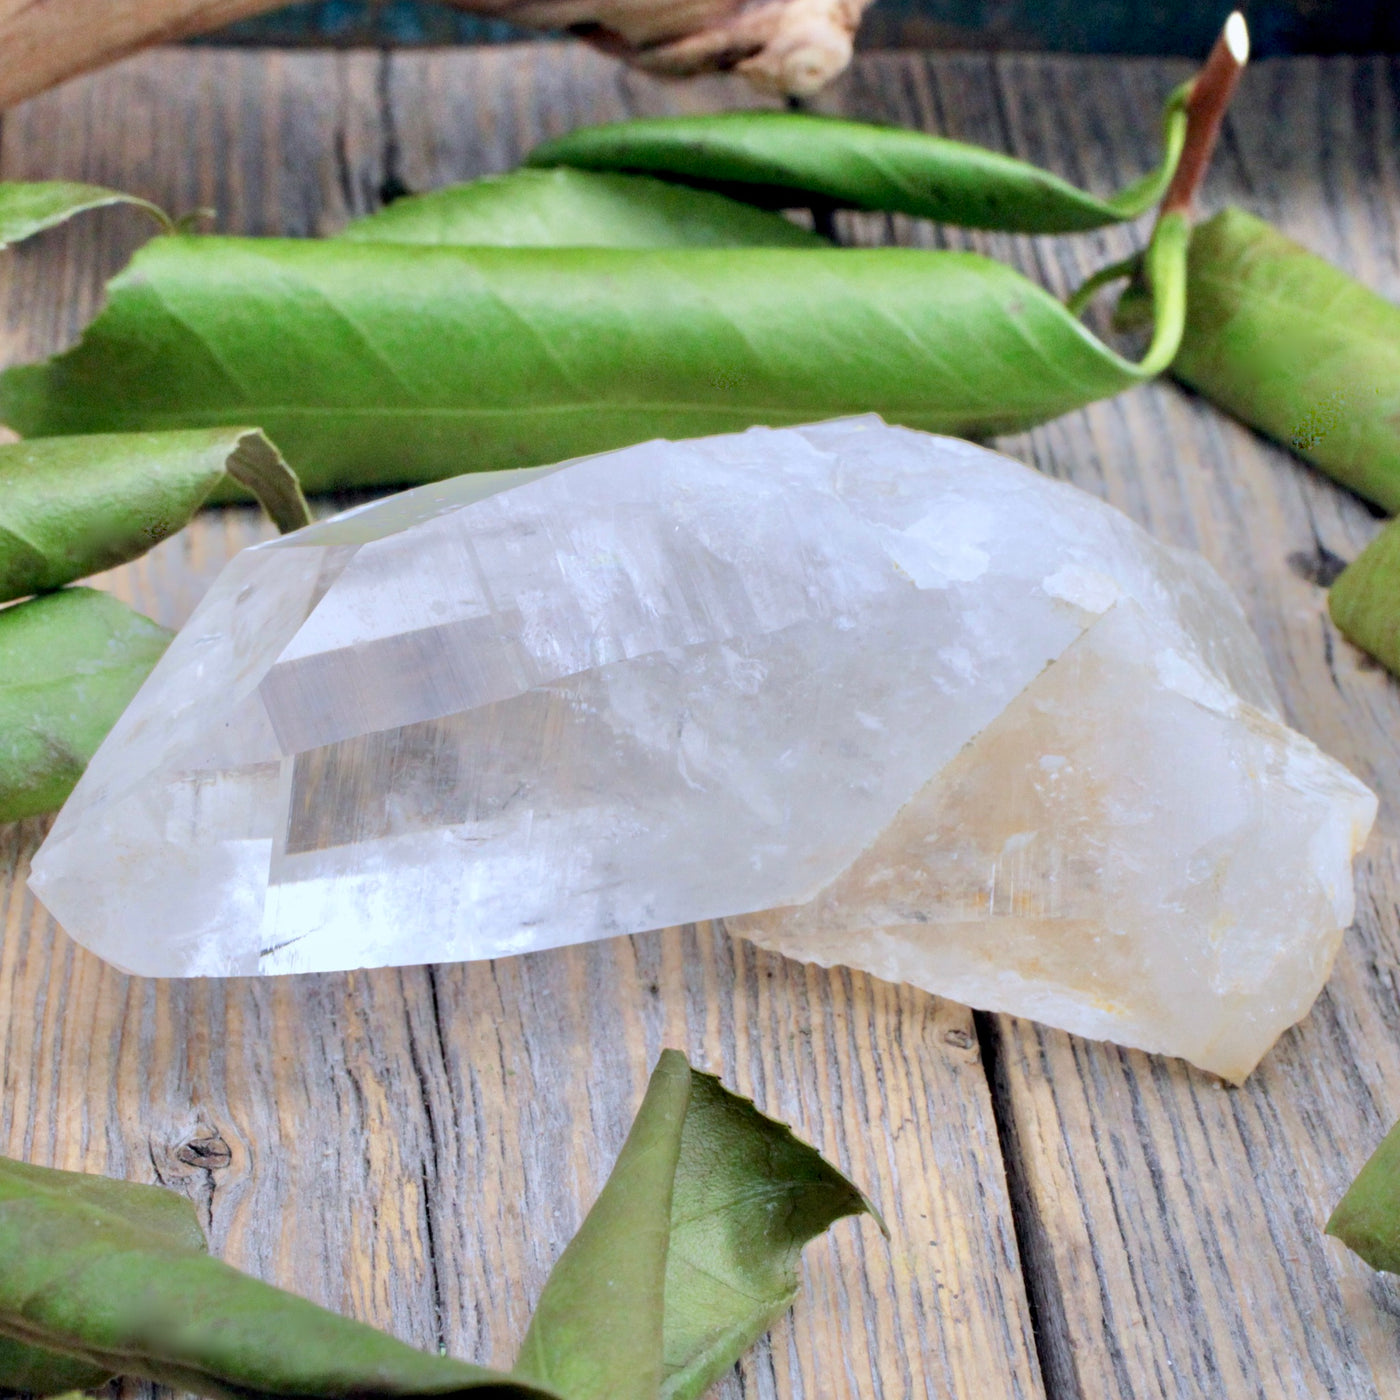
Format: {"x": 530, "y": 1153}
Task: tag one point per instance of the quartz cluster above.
{"x": 871, "y": 696}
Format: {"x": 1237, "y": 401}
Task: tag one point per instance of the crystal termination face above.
{"x": 871, "y": 696}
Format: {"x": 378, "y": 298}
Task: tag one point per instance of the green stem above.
{"x": 1140, "y": 196}
{"x": 1164, "y": 267}
{"x": 1105, "y": 276}
{"x": 167, "y": 224}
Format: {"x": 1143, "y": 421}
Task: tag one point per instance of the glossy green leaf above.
{"x": 1365, "y": 599}
{"x": 32, "y": 1370}
{"x": 1367, "y": 1219}
{"x": 28, "y": 207}
{"x": 73, "y": 506}
{"x": 1296, "y": 348}
{"x": 69, "y": 664}
{"x": 690, "y": 1251}
{"x": 578, "y": 209}
{"x": 785, "y": 159}
{"x": 85, "y": 1274}
{"x": 393, "y": 364}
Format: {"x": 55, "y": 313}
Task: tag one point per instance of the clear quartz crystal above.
{"x": 874, "y": 697}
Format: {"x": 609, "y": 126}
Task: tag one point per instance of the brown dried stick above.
{"x": 42, "y": 42}
{"x": 791, "y": 46}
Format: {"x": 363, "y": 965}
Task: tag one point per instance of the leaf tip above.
{"x": 256, "y": 464}
{"x": 873, "y": 1211}
{"x": 674, "y": 1060}
{"x": 1333, "y": 1225}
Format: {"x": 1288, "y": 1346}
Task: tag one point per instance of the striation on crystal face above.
{"x": 872, "y": 696}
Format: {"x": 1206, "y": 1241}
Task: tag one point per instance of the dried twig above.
{"x": 792, "y": 46}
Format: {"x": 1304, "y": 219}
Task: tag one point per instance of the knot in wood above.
{"x": 210, "y": 1152}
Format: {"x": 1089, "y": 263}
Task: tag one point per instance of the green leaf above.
{"x": 88, "y": 1276}
{"x": 784, "y": 159}
{"x": 748, "y": 1196}
{"x": 29, "y": 207}
{"x": 1367, "y": 1219}
{"x": 598, "y": 1328}
{"x": 70, "y": 507}
{"x": 31, "y": 1370}
{"x": 150, "y": 1209}
{"x": 689, "y": 1253}
{"x": 577, "y": 209}
{"x": 1297, "y": 349}
{"x": 1365, "y": 599}
{"x": 69, "y": 664}
{"x": 381, "y": 365}
{"x": 26, "y": 1370}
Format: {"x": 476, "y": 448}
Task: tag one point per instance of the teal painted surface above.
{"x": 379, "y": 22}
{"x": 1071, "y": 26}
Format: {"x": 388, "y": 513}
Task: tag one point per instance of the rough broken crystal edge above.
{"x": 1340, "y": 812}
{"x": 1232, "y": 1060}
{"x": 1233, "y": 1055}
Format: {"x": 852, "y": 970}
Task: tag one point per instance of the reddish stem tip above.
{"x": 1205, "y": 110}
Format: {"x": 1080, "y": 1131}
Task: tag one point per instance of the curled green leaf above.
{"x": 1297, "y": 349}
{"x": 73, "y": 506}
{"x": 785, "y": 159}
{"x": 69, "y": 664}
{"x": 566, "y": 208}
{"x": 85, "y": 1275}
{"x": 1365, "y": 599}
{"x": 29, "y": 207}
{"x": 26, "y": 1370}
{"x": 31, "y": 1370}
{"x": 689, "y": 1253}
{"x": 1367, "y": 1219}
{"x": 396, "y": 364}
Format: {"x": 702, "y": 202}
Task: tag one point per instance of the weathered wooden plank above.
{"x": 1172, "y": 1227}
{"x": 414, "y": 1147}
{"x": 1228, "y": 1242}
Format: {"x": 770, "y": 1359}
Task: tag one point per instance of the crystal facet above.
{"x": 872, "y": 696}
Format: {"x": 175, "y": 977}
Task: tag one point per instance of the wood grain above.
{"x": 414, "y": 1147}
{"x": 396, "y": 1144}
{"x": 1172, "y": 1228}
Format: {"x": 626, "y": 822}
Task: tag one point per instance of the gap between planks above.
{"x": 1169, "y": 1229}
{"x": 413, "y": 1090}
